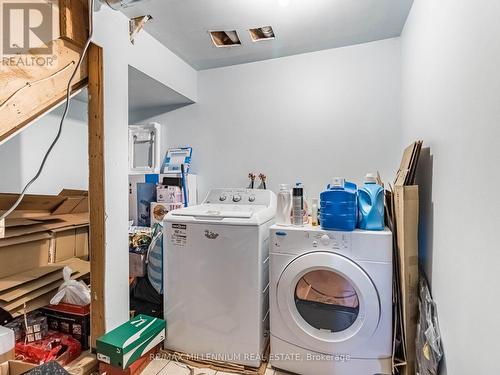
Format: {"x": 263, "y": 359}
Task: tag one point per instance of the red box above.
{"x": 134, "y": 369}
{"x": 70, "y": 319}
{"x": 55, "y": 346}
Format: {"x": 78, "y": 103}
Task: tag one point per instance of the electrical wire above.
{"x": 30, "y": 84}
{"x": 65, "y": 112}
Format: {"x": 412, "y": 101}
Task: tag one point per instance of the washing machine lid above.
{"x": 219, "y": 211}
{"x": 328, "y": 300}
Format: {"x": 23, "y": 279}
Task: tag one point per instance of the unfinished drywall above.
{"x": 152, "y": 58}
{"x": 67, "y": 166}
{"x": 306, "y": 117}
{"x": 451, "y": 99}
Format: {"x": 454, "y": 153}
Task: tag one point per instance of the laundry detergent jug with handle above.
{"x": 339, "y": 206}
{"x": 371, "y": 205}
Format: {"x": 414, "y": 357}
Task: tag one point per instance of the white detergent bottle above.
{"x": 284, "y": 205}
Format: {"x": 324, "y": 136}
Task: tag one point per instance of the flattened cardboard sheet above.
{"x": 22, "y": 257}
{"x": 42, "y": 286}
{"x": 15, "y": 280}
{"x": 71, "y": 220}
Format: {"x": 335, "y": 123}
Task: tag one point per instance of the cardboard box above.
{"x": 42, "y": 206}
{"x": 30, "y": 244}
{"x": 15, "y": 367}
{"x": 406, "y": 203}
{"x": 70, "y": 319}
{"x": 85, "y": 364}
{"x": 135, "y": 368}
{"x": 169, "y": 194}
{"x": 25, "y": 253}
{"x": 125, "y": 344}
{"x": 137, "y": 264}
{"x": 174, "y": 179}
{"x": 35, "y": 287}
{"x": 42, "y": 351}
{"x": 67, "y": 243}
{"x": 43, "y": 229}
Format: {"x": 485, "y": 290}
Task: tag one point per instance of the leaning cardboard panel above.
{"x": 23, "y": 253}
{"x": 406, "y": 211}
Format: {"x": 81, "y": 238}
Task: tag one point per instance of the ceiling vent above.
{"x": 225, "y": 38}
{"x": 262, "y": 33}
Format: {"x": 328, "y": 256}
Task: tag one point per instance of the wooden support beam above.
{"x": 34, "y": 82}
{"x": 30, "y": 91}
{"x": 73, "y": 21}
{"x": 96, "y": 190}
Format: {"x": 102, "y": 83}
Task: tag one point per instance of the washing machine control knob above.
{"x": 251, "y": 198}
{"x": 325, "y": 240}
{"x": 222, "y": 198}
{"x": 236, "y": 198}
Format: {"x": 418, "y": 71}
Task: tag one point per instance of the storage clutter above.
{"x": 44, "y": 253}
{"x": 45, "y": 234}
{"x": 152, "y": 196}
{"x": 342, "y": 206}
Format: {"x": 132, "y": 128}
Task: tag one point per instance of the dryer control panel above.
{"x": 290, "y": 239}
{"x": 359, "y": 244}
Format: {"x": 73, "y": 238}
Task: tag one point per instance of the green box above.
{"x": 125, "y": 344}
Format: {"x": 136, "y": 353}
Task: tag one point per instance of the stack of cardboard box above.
{"x": 44, "y": 234}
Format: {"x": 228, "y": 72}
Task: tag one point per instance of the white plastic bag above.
{"x": 71, "y": 291}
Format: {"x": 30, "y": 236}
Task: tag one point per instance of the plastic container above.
{"x": 284, "y": 205}
{"x": 314, "y": 212}
{"x": 7, "y": 343}
{"x": 339, "y": 206}
{"x": 298, "y": 205}
{"x": 371, "y": 205}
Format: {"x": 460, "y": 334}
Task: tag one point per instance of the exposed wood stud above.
{"x": 96, "y": 189}
{"x": 74, "y": 20}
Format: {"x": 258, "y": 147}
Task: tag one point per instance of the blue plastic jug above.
{"x": 371, "y": 205}
{"x": 339, "y": 206}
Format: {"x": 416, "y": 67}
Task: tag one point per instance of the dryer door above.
{"x": 326, "y": 299}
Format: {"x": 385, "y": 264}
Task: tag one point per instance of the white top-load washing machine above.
{"x": 217, "y": 275}
{"x": 331, "y": 301}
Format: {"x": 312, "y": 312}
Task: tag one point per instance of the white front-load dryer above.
{"x": 331, "y": 301}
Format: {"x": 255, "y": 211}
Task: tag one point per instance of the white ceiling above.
{"x": 299, "y": 25}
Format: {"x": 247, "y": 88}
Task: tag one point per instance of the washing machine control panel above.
{"x": 252, "y": 197}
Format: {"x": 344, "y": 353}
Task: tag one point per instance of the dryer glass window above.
{"x": 326, "y": 300}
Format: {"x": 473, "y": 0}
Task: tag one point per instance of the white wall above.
{"x": 67, "y": 166}
{"x": 154, "y": 59}
{"x": 451, "y": 99}
{"x": 307, "y": 117}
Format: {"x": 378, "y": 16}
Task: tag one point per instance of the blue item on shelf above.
{"x": 339, "y": 206}
{"x": 146, "y": 193}
{"x": 371, "y": 205}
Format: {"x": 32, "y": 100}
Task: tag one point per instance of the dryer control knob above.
{"x": 325, "y": 240}
{"x": 236, "y": 198}
{"x": 222, "y": 198}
